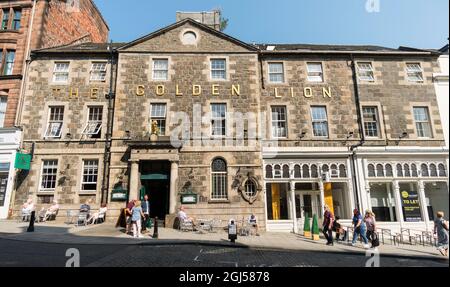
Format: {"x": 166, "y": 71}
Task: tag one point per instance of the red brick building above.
{"x": 27, "y": 25}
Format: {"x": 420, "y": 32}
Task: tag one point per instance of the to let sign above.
{"x": 23, "y": 161}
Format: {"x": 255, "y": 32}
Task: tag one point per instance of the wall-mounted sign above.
{"x": 119, "y": 194}
{"x": 189, "y": 199}
{"x": 23, "y": 161}
{"x": 411, "y": 206}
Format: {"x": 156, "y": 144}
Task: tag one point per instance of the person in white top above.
{"x": 27, "y": 208}
{"x": 103, "y": 209}
{"x": 253, "y": 222}
{"x": 51, "y": 210}
{"x": 184, "y": 217}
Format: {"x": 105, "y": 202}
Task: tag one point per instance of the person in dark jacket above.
{"x": 146, "y": 211}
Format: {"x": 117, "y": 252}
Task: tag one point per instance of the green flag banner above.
{"x": 23, "y": 161}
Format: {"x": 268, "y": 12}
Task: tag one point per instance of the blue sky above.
{"x": 417, "y": 23}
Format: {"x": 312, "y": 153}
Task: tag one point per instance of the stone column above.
{"x": 322, "y": 199}
{"x": 173, "y": 187}
{"x": 294, "y": 210}
{"x": 423, "y": 204}
{"x": 134, "y": 180}
{"x": 398, "y": 202}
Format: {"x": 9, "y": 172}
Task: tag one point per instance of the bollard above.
{"x": 155, "y": 228}
{"x": 32, "y": 219}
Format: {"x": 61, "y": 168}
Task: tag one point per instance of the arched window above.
{"x": 389, "y": 171}
{"x": 399, "y": 170}
{"x": 380, "y": 170}
{"x": 342, "y": 171}
{"x": 414, "y": 171}
{"x": 334, "y": 171}
{"x": 424, "y": 170}
{"x": 433, "y": 170}
{"x": 219, "y": 179}
{"x": 314, "y": 171}
{"x": 297, "y": 171}
{"x": 407, "y": 170}
{"x": 371, "y": 170}
{"x": 305, "y": 169}
{"x": 250, "y": 188}
{"x": 277, "y": 171}
{"x": 325, "y": 168}
{"x": 442, "y": 171}
{"x": 269, "y": 171}
{"x": 286, "y": 171}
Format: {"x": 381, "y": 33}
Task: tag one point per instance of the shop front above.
{"x": 9, "y": 144}
{"x": 406, "y": 193}
{"x": 299, "y": 189}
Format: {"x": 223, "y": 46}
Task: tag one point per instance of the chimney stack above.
{"x": 211, "y": 19}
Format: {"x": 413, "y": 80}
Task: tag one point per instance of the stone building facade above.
{"x": 28, "y": 25}
{"x": 228, "y": 129}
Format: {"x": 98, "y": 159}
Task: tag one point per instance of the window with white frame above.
{"x": 423, "y": 124}
{"x": 250, "y": 188}
{"x": 371, "y": 122}
{"x": 279, "y": 122}
{"x": 315, "y": 72}
{"x": 48, "y": 175}
{"x": 414, "y": 72}
{"x": 365, "y": 72}
{"x": 158, "y": 114}
{"x": 219, "y": 120}
{"x": 94, "y": 122}
{"x": 61, "y": 72}
{"x": 319, "y": 121}
{"x": 276, "y": 72}
{"x": 161, "y": 69}
{"x": 90, "y": 176}
{"x": 219, "y": 180}
{"x": 218, "y": 69}
{"x": 98, "y": 72}
{"x": 3, "y": 104}
{"x": 55, "y": 122}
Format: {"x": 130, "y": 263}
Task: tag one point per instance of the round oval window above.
{"x": 189, "y": 38}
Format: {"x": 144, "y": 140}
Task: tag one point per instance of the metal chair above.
{"x": 25, "y": 216}
{"x": 186, "y": 225}
{"x": 82, "y": 219}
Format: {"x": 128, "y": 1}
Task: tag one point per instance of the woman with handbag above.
{"x": 370, "y": 222}
{"x": 441, "y": 230}
{"x": 359, "y": 229}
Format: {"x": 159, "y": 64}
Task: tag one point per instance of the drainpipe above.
{"x": 26, "y": 63}
{"x": 353, "y": 148}
{"x": 109, "y": 130}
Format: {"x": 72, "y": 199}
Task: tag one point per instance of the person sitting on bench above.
{"x": 253, "y": 222}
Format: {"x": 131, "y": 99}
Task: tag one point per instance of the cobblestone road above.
{"x": 14, "y": 253}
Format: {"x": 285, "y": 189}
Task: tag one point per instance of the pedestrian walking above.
{"x": 130, "y": 206}
{"x": 359, "y": 229}
{"x": 146, "y": 211}
{"x": 441, "y": 230}
{"x": 328, "y": 220}
{"x": 370, "y": 221}
{"x": 136, "y": 216}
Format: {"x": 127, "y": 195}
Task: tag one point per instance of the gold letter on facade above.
{"x": 178, "y": 93}
{"x": 196, "y": 90}
{"x": 94, "y": 93}
{"x": 215, "y": 90}
{"x": 276, "y": 93}
{"x": 327, "y": 92}
{"x": 236, "y": 90}
{"x": 160, "y": 90}
{"x": 73, "y": 93}
{"x": 140, "y": 91}
{"x": 292, "y": 93}
{"x": 308, "y": 93}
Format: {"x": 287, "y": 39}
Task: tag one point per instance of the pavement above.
{"x": 106, "y": 234}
